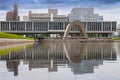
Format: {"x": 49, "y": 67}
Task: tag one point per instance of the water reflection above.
{"x": 13, "y": 66}
{"x": 81, "y": 58}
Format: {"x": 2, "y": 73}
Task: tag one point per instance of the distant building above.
{"x": 53, "y": 11}
{"x": 118, "y": 26}
{"x": 84, "y": 14}
{"x": 13, "y": 15}
{"x": 52, "y": 15}
{"x": 25, "y": 18}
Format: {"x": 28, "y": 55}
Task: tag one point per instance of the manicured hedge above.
{"x": 12, "y": 36}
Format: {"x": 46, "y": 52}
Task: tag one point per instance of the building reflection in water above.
{"x": 13, "y": 66}
{"x": 80, "y": 57}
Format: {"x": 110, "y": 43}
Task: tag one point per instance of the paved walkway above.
{"x": 4, "y": 42}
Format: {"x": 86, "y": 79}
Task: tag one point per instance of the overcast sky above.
{"x": 109, "y": 9}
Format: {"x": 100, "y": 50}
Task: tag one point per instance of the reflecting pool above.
{"x": 69, "y": 60}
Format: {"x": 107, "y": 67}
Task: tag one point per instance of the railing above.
{"x": 77, "y": 39}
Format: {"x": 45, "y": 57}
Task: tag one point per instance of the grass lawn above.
{"x": 14, "y": 49}
{"x": 13, "y": 36}
{"x": 115, "y": 38}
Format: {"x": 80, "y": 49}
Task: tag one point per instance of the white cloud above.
{"x": 2, "y": 15}
{"x": 110, "y": 14}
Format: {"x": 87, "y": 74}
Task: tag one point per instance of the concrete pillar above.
{"x": 86, "y": 26}
{"x": 64, "y": 26}
{"x": 111, "y": 53}
{"x": 111, "y": 26}
{"x": 25, "y": 53}
{"x": 48, "y": 26}
{"x": 9, "y": 56}
{"x": 48, "y": 55}
{"x": 101, "y": 26}
{"x": 9, "y": 26}
{"x": 25, "y": 27}
{"x": 32, "y": 26}
{"x": 102, "y": 52}
{"x": 32, "y": 54}
{"x": 51, "y": 63}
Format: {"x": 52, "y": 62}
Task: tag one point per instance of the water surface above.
{"x": 70, "y": 60}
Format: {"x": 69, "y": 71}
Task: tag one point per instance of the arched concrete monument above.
{"x": 76, "y": 23}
